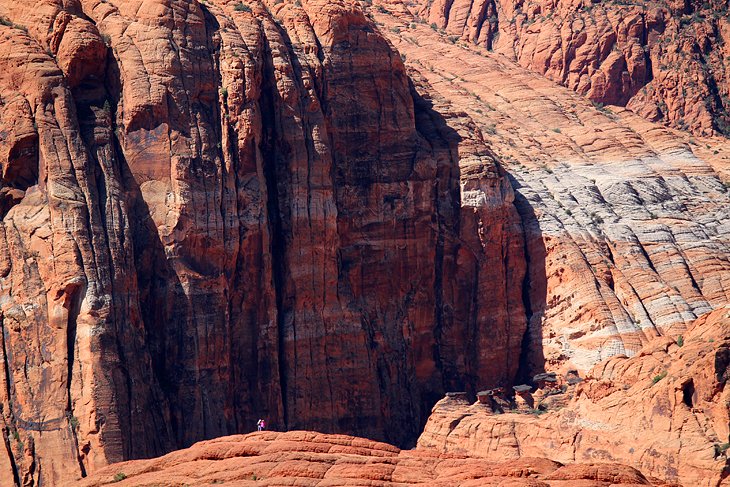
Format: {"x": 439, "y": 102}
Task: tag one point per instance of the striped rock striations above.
{"x": 664, "y": 411}
{"x": 217, "y": 211}
{"x": 666, "y": 60}
{"x": 214, "y": 211}
{"x": 309, "y": 459}
{"x": 626, "y": 221}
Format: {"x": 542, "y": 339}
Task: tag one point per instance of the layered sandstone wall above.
{"x": 626, "y": 221}
{"x": 666, "y": 60}
{"x": 663, "y": 411}
{"x": 219, "y": 211}
{"x": 216, "y": 211}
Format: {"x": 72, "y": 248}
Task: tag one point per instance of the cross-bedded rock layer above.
{"x": 664, "y": 411}
{"x": 666, "y": 60}
{"x": 626, "y": 221}
{"x": 219, "y": 211}
{"x": 216, "y": 211}
{"x": 309, "y": 459}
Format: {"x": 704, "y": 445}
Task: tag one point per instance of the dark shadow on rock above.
{"x": 444, "y": 144}
{"x": 534, "y": 289}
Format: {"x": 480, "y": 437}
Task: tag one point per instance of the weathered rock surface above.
{"x": 664, "y": 411}
{"x": 666, "y": 60}
{"x": 311, "y": 459}
{"x": 626, "y": 221}
{"x": 215, "y": 212}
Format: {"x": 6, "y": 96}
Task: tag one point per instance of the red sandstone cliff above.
{"x": 666, "y": 60}
{"x": 218, "y": 211}
{"x": 215, "y": 211}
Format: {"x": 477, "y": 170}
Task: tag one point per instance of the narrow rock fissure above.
{"x": 277, "y": 241}
{"x": 641, "y": 303}
{"x": 649, "y": 76}
{"x": 646, "y": 256}
{"x": 73, "y": 306}
{"x": 11, "y": 458}
{"x": 6, "y": 432}
{"x": 447, "y": 12}
{"x": 524, "y": 370}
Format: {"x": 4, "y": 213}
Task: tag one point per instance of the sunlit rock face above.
{"x": 214, "y": 212}
{"x": 326, "y": 214}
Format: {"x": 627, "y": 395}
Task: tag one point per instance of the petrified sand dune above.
{"x": 666, "y": 60}
{"x": 626, "y": 222}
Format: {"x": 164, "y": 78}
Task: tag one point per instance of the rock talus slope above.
{"x": 215, "y": 212}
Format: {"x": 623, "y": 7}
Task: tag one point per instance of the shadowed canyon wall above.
{"x": 218, "y": 211}
{"x": 214, "y": 212}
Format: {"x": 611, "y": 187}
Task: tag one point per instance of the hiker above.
{"x": 261, "y": 424}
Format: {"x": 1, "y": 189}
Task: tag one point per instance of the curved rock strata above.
{"x": 626, "y": 221}
{"x": 664, "y": 411}
{"x": 666, "y": 60}
{"x": 215, "y": 211}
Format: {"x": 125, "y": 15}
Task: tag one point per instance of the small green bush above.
{"x": 659, "y": 377}
{"x": 119, "y": 477}
{"x": 241, "y": 7}
{"x": 680, "y": 340}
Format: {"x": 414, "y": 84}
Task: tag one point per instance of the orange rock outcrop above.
{"x": 666, "y": 60}
{"x": 664, "y": 411}
{"x": 312, "y": 459}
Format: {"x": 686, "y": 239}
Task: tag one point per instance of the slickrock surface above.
{"x": 310, "y": 459}
{"x": 666, "y": 60}
{"x": 627, "y": 223}
{"x": 664, "y": 411}
{"x": 214, "y": 212}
